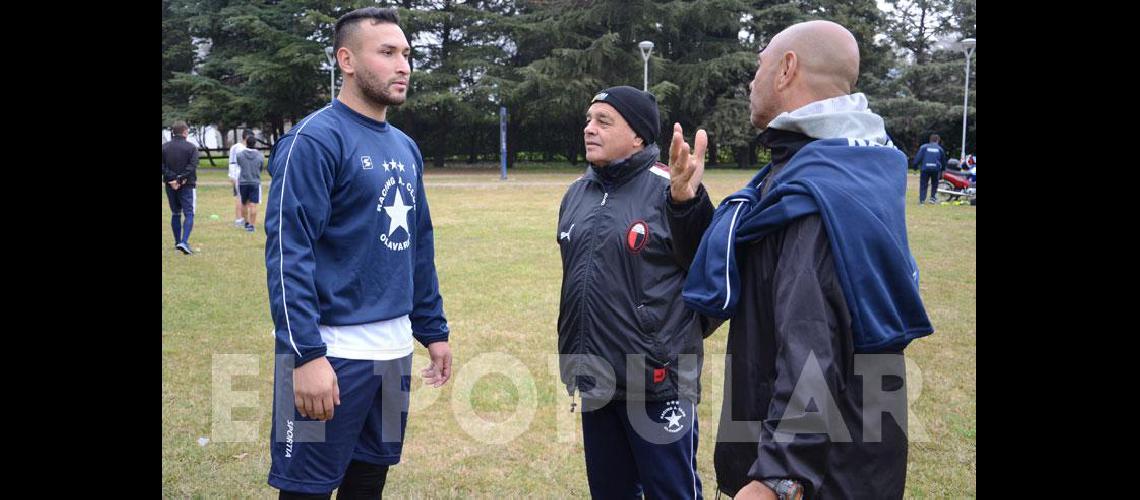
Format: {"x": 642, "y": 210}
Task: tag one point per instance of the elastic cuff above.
{"x": 683, "y": 208}
{"x": 428, "y": 339}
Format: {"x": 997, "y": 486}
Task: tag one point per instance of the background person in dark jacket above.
{"x": 180, "y": 174}
{"x": 627, "y": 342}
{"x": 931, "y": 160}
{"x": 823, "y": 279}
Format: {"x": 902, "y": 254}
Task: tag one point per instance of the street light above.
{"x": 968, "y": 48}
{"x": 646, "y": 48}
{"x": 332, "y": 72}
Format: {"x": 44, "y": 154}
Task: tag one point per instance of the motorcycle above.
{"x": 960, "y": 180}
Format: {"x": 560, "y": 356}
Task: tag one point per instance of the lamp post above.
{"x": 646, "y": 48}
{"x": 332, "y": 72}
{"x": 968, "y": 48}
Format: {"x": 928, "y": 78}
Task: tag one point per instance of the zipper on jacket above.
{"x": 592, "y": 247}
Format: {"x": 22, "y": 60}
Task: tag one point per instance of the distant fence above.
{"x": 219, "y": 157}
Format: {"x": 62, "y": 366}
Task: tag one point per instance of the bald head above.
{"x": 806, "y": 62}
{"x": 827, "y": 54}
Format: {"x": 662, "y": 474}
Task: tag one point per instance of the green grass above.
{"x": 500, "y": 273}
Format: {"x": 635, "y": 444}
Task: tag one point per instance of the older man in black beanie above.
{"x": 627, "y": 343}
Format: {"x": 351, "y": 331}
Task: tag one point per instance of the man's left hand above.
{"x": 755, "y": 491}
{"x": 439, "y": 371}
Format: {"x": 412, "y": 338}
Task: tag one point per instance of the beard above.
{"x": 380, "y": 93}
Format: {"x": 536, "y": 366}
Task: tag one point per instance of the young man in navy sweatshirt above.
{"x": 352, "y": 282}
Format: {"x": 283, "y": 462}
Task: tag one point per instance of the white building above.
{"x": 211, "y": 137}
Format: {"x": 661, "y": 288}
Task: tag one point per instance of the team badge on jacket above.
{"x": 637, "y": 236}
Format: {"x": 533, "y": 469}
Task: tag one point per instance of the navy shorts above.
{"x": 311, "y": 456}
{"x": 250, "y": 193}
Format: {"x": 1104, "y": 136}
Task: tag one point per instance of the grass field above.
{"x": 500, "y": 273}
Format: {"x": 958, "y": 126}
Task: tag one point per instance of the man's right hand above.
{"x": 315, "y": 391}
{"x": 174, "y": 184}
{"x": 685, "y": 170}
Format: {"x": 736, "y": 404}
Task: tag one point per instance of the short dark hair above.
{"x": 935, "y": 138}
{"x": 251, "y": 141}
{"x": 346, "y": 25}
{"x": 247, "y": 133}
{"x": 179, "y": 127}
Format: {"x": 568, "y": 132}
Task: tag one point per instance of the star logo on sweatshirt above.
{"x": 397, "y": 199}
{"x": 399, "y": 215}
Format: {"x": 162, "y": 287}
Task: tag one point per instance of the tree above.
{"x": 232, "y": 61}
{"x": 454, "y": 44}
{"x": 928, "y": 80}
{"x": 706, "y": 65}
{"x": 177, "y": 57}
{"x": 261, "y": 61}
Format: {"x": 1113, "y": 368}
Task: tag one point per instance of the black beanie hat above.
{"x": 637, "y": 107}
